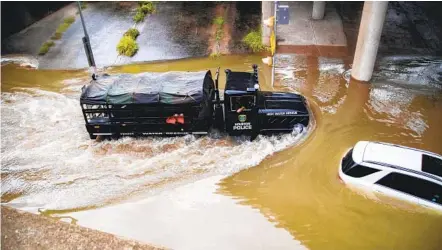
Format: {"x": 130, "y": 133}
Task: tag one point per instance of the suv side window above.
{"x": 432, "y": 165}
{"x": 423, "y": 189}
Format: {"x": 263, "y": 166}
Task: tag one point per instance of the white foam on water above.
{"x": 48, "y": 157}
{"x": 413, "y": 71}
{"x": 394, "y": 102}
{"x": 331, "y": 65}
{"x": 330, "y": 79}
{"x": 23, "y": 61}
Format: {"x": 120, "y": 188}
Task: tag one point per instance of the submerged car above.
{"x": 406, "y": 173}
{"x": 180, "y": 103}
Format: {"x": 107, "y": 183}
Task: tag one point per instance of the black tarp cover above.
{"x": 148, "y": 88}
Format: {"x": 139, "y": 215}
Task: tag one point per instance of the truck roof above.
{"x": 148, "y": 88}
{"x": 239, "y": 81}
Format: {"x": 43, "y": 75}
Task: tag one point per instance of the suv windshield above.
{"x": 350, "y": 168}
{"x": 347, "y": 161}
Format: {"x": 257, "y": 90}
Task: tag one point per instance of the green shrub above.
{"x": 60, "y": 30}
{"x": 219, "y": 35}
{"x": 69, "y": 20}
{"x": 57, "y": 36}
{"x": 132, "y": 32}
{"x": 45, "y": 47}
{"x": 214, "y": 55}
{"x": 139, "y": 17}
{"x": 127, "y": 46}
{"x": 63, "y": 27}
{"x": 218, "y": 21}
{"x": 253, "y": 40}
{"x": 147, "y": 8}
{"x": 144, "y": 8}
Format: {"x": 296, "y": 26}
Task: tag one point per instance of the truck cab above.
{"x": 250, "y": 111}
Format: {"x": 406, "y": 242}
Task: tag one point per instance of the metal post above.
{"x": 86, "y": 41}
{"x": 274, "y": 31}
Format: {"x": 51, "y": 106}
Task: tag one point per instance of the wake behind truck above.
{"x": 180, "y": 103}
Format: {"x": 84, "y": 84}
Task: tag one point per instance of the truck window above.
{"x": 420, "y": 188}
{"x": 278, "y": 104}
{"x": 432, "y": 165}
{"x": 246, "y": 101}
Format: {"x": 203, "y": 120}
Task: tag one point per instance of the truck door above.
{"x": 241, "y": 117}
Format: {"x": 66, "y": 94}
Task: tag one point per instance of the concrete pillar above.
{"x": 268, "y": 8}
{"x": 369, "y": 36}
{"x": 318, "y": 10}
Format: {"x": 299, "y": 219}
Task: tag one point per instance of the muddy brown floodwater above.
{"x": 49, "y": 165}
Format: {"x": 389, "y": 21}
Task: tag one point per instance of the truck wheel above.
{"x": 93, "y": 137}
{"x": 298, "y": 128}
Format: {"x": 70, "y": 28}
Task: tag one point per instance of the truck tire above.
{"x": 298, "y": 128}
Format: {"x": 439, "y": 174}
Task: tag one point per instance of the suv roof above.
{"x": 394, "y": 155}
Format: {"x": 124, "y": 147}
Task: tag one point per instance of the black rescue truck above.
{"x": 179, "y": 103}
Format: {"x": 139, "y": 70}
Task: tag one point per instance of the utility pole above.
{"x": 274, "y": 32}
{"x": 86, "y": 42}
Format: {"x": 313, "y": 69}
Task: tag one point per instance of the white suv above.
{"x": 406, "y": 173}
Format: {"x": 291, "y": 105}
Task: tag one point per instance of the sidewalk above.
{"x": 303, "y": 30}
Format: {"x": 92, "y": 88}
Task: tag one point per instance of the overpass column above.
{"x": 267, "y": 12}
{"x": 318, "y": 10}
{"x": 369, "y": 36}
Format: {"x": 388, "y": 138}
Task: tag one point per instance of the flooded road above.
{"x": 221, "y": 192}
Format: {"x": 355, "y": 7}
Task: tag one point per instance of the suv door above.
{"x": 410, "y": 188}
